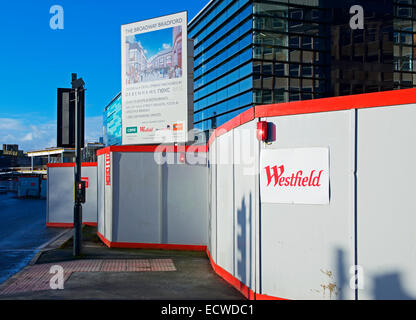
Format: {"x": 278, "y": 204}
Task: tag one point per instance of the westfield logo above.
{"x": 144, "y": 129}
{"x": 298, "y": 179}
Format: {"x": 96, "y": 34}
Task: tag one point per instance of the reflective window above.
{"x": 255, "y": 53}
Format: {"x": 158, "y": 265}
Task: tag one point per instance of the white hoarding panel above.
{"x": 386, "y": 175}
{"x": 299, "y": 176}
{"x": 154, "y": 76}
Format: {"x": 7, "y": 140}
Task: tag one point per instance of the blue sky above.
{"x": 35, "y": 60}
{"x": 153, "y": 42}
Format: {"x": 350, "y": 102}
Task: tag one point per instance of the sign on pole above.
{"x": 154, "y": 67}
{"x": 65, "y": 135}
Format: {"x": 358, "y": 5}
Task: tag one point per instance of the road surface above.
{"x": 22, "y": 231}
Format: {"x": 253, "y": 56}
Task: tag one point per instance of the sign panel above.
{"x": 66, "y": 117}
{"x": 298, "y": 176}
{"x": 154, "y": 76}
{"x": 108, "y": 169}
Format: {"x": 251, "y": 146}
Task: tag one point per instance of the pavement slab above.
{"x": 37, "y": 277}
{"x": 119, "y": 274}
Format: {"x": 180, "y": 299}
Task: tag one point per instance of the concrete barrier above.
{"x": 43, "y": 188}
{"x": 60, "y": 194}
{"x": 28, "y": 187}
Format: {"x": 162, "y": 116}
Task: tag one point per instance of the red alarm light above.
{"x": 262, "y": 130}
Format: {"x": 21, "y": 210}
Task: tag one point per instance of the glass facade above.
{"x": 404, "y": 39}
{"x": 260, "y": 52}
{"x": 290, "y": 51}
{"x": 252, "y": 52}
{"x": 112, "y": 122}
{"x": 223, "y": 62}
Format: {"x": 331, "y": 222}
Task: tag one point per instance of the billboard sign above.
{"x": 296, "y": 176}
{"x": 155, "y": 80}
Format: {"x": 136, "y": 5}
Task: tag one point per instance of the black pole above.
{"x": 77, "y": 202}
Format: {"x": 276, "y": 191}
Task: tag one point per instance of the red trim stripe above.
{"x": 88, "y": 164}
{"x": 211, "y": 139}
{"x": 71, "y": 164}
{"x": 358, "y": 101}
{"x": 153, "y": 148}
{"x": 241, "y": 287}
{"x": 266, "y": 297}
{"x": 161, "y": 246}
{"x": 369, "y": 100}
{"x": 104, "y": 240}
{"x": 245, "y": 291}
{"x": 59, "y": 225}
{"x": 60, "y": 165}
{"x": 103, "y": 151}
{"x": 90, "y": 224}
{"x": 247, "y": 116}
{"x": 67, "y": 224}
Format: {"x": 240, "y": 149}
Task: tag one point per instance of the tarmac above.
{"x": 117, "y": 274}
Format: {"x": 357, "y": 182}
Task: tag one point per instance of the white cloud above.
{"x": 166, "y": 46}
{"x": 10, "y": 124}
{"x": 36, "y": 133}
{"x": 28, "y": 137}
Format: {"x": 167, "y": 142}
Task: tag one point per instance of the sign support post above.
{"x": 77, "y": 86}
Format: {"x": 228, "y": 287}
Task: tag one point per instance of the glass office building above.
{"x": 251, "y": 52}
{"x": 112, "y": 122}
{"x": 259, "y": 52}
{"x": 223, "y": 61}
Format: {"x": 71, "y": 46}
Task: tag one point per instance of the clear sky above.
{"x": 35, "y": 60}
{"x": 153, "y": 42}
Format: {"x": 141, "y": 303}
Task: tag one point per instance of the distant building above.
{"x": 39, "y": 158}
{"x": 89, "y": 152}
{"x": 112, "y": 122}
{"x": 11, "y": 156}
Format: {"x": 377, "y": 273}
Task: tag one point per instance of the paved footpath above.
{"x": 104, "y": 273}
